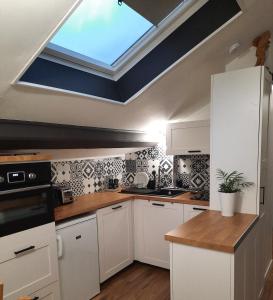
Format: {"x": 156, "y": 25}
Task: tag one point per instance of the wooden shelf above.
{"x": 24, "y": 158}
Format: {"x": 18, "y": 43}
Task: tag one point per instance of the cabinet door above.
{"x": 244, "y": 266}
{"x": 115, "y": 238}
{"x": 152, "y": 220}
{"x": 191, "y": 211}
{"x": 51, "y": 292}
{"x": 28, "y": 261}
{"x": 260, "y": 253}
{"x": 264, "y": 127}
{"x": 235, "y": 132}
{"x": 188, "y": 138}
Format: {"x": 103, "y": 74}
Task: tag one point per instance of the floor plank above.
{"x": 137, "y": 282}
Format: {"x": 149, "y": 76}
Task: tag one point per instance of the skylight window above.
{"x": 101, "y": 30}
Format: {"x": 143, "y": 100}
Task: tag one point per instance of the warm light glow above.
{"x": 156, "y": 131}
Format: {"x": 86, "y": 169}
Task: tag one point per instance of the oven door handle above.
{"x": 25, "y": 189}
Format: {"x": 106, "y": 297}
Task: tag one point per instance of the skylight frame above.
{"x": 135, "y": 53}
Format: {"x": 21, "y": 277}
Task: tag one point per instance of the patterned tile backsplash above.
{"x": 149, "y": 160}
{"x": 92, "y": 175}
{"x": 87, "y": 176}
{"x": 193, "y": 170}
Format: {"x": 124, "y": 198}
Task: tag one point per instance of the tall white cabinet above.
{"x": 239, "y": 133}
{"x": 241, "y": 139}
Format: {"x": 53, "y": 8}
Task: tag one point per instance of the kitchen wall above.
{"x": 191, "y": 170}
{"x": 88, "y": 175}
{"x": 91, "y": 175}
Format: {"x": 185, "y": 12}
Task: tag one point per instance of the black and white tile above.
{"x": 192, "y": 170}
{"x": 87, "y": 176}
{"x": 148, "y": 161}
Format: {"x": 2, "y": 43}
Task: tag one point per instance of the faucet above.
{"x": 158, "y": 178}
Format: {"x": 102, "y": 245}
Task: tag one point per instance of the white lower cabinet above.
{"x": 191, "y": 211}
{"x": 28, "y": 261}
{"x": 115, "y": 235}
{"x": 51, "y": 292}
{"x": 152, "y": 220}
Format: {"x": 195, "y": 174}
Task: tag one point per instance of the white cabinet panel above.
{"x": 191, "y": 211}
{"x": 188, "y": 138}
{"x": 152, "y": 220}
{"x": 199, "y": 274}
{"x": 239, "y": 124}
{"x": 38, "y": 265}
{"x": 50, "y": 292}
{"x": 115, "y": 236}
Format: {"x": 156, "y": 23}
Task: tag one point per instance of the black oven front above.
{"x": 25, "y": 196}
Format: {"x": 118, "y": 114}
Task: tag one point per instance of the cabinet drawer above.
{"x": 28, "y": 260}
{"x": 51, "y": 292}
{"x": 191, "y": 211}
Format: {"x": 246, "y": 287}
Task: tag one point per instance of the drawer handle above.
{"x": 263, "y": 190}
{"x": 117, "y": 207}
{"x": 197, "y": 208}
{"x": 36, "y": 298}
{"x": 194, "y": 151}
{"x": 24, "y": 250}
{"x": 158, "y": 204}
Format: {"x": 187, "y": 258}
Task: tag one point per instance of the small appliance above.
{"x": 62, "y": 195}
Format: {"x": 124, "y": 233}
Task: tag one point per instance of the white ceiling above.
{"x": 25, "y": 26}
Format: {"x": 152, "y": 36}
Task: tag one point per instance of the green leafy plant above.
{"x": 231, "y": 182}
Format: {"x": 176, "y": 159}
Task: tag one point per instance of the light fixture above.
{"x": 234, "y": 47}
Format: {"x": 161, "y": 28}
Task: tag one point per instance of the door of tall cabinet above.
{"x": 239, "y": 133}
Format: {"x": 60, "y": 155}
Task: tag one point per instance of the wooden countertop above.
{"x": 92, "y": 202}
{"x": 211, "y": 230}
{"x": 24, "y": 158}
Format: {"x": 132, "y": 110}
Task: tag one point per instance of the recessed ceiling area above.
{"x": 203, "y": 23}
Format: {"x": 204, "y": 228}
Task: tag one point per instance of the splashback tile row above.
{"x": 92, "y": 175}
{"x": 87, "y": 176}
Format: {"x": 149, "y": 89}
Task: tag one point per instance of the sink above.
{"x": 165, "y": 192}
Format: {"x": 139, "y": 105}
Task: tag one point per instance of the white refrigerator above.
{"x": 78, "y": 258}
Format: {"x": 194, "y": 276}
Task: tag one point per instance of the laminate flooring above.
{"x": 137, "y": 282}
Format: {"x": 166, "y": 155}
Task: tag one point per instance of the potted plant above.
{"x": 231, "y": 184}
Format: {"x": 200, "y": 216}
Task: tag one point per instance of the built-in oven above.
{"x": 25, "y": 196}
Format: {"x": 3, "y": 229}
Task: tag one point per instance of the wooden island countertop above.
{"x": 212, "y": 231}
{"x": 92, "y": 202}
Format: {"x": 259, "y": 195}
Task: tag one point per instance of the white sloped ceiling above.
{"x": 185, "y": 89}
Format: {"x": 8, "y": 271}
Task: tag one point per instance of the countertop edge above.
{"x": 221, "y": 247}
{"x": 60, "y": 215}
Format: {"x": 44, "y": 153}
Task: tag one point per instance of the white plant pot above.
{"x": 227, "y": 202}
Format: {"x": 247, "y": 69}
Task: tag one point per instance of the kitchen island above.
{"x": 214, "y": 257}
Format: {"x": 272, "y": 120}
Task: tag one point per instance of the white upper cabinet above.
{"x": 239, "y": 133}
{"x": 188, "y": 138}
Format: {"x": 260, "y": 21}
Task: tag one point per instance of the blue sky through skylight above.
{"x": 101, "y": 30}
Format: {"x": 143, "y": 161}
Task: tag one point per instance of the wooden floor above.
{"x": 137, "y": 282}
{"x": 144, "y": 282}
